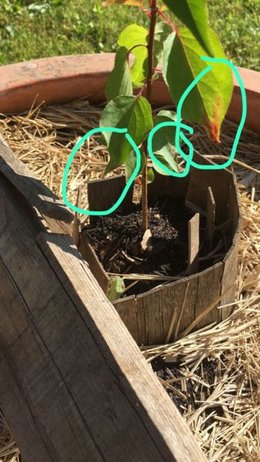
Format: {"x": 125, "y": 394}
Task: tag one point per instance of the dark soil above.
{"x": 116, "y": 240}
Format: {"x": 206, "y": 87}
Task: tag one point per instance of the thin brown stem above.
{"x": 154, "y": 11}
{"x": 144, "y": 199}
{"x": 153, "y": 16}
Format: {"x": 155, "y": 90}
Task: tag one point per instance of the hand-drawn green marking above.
{"x": 188, "y": 157}
{"x": 128, "y": 184}
{"x": 178, "y": 135}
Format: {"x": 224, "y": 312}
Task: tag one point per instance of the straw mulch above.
{"x": 212, "y": 375}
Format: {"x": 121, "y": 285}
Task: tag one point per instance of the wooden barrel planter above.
{"x": 176, "y": 308}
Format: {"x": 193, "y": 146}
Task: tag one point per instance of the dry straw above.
{"x": 213, "y": 375}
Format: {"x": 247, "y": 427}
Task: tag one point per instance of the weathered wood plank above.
{"x": 229, "y": 287}
{"x": 120, "y": 352}
{"x": 30, "y": 378}
{"x": 52, "y": 209}
{"x": 128, "y": 310}
{"x": 155, "y": 317}
{"x": 208, "y": 296}
{"x": 194, "y": 243}
{"x": 79, "y": 380}
{"x": 211, "y": 217}
{"x": 103, "y": 198}
{"x": 90, "y": 256}
{"x": 197, "y": 190}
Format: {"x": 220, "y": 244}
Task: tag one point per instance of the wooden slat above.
{"x": 127, "y": 308}
{"x": 40, "y": 393}
{"x": 211, "y": 217}
{"x": 149, "y": 316}
{"x": 198, "y": 187}
{"x": 123, "y": 354}
{"x": 194, "y": 243}
{"x": 70, "y": 373}
{"x": 103, "y": 198}
{"x": 208, "y": 295}
{"x": 229, "y": 286}
{"x": 90, "y": 256}
{"x": 167, "y": 186}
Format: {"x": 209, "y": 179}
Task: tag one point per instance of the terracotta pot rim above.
{"x": 63, "y": 78}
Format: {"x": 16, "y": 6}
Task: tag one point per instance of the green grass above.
{"x": 238, "y": 25}
{"x": 35, "y": 29}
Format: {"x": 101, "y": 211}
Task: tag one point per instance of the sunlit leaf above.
{"x": 208, "y": 102}
{"x": 194, "y": 14}
{"x": 119, "y": 81}
{"x": 133, "y": 113}
{"x": 163, "y": 143}
{"x": 134, "y": 38}
{"x": 130, "y": 164}
{"x": 162, "y": 31}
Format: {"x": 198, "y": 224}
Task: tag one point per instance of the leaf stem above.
{"x": 136, "y": 46}
{"x": 154, "y": 11}
{"x": 153, "y": 16}
{"x": 167, "y": 20}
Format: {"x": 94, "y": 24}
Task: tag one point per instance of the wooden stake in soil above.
{"x": 211, "y": 217}
{"x": 194, "y": 243}
{"x": 76, "y": 222}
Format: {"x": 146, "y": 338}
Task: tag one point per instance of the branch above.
{"x": 153, "y": 15}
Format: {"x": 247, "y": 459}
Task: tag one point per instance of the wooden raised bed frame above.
{"x": 73, "y": 384}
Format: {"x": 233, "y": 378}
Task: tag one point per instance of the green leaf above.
{"x": 208, "y": 102}
{"x": 194, "y": 14}
{"x": 133, "y": 113}
{"x": 150, "y": 175}
{"x": 119, "y": 81}
{"x": 162, "y": 31}
{"x": 131, "y": 163}
{"x": 136, "y": 36}
{"x": 163, "y": 143}
{"x": 115, "y": 289}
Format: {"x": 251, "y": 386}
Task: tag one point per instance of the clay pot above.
{"x": 64, "y": 78}
{"x": 174, "y": 309}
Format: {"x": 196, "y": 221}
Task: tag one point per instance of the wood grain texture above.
{"x": 73, "y": 384}
{"x": 194, "y": 243}
{"x": 229, "y": 286}
{"x": 102, "y": 195}
{"x": 90, "y": 256}
{"x": 52, "y": 209}
{"x": 211, "y": 217}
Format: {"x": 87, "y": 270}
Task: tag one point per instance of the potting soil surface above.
{"x": 117, "y": 239}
